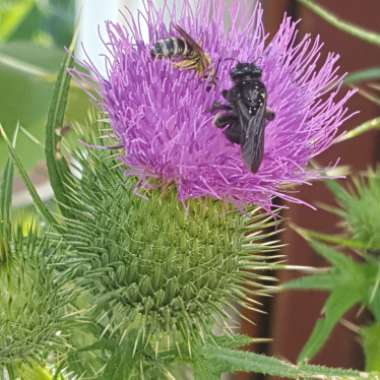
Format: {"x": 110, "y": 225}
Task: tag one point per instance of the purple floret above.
{"x": 161, "y": 114}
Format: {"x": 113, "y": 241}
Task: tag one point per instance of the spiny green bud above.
{"x": 168, "y": 269}
{"x": 360, "y": 208}
{"x": 34, "y": 315}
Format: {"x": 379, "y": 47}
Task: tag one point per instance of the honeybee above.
{"x": 246, "y": 114}
{"x": 186, "y": 54}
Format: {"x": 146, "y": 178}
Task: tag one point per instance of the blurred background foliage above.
{"x": 33, "y": 34}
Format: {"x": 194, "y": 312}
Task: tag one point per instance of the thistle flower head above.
{"x": 161, "y": 116}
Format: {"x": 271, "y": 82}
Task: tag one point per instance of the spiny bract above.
{"x": 35, "y": 314}
{"x": 160, "y": 272}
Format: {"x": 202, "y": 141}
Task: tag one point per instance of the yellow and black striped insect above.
{"x": 185, "y": 53}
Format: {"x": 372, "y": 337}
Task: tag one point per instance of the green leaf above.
{"x": 41, "y": 207}
{"x": 362, "y": 75}
{"x": 371, "y": 346}
{"x": 337, "y": 259}
{"x": 57, "y": 166}
{"x": 6, "y": 197}
{"x": 12, "y": 16}
{"x": 338, "y": 303}
{"x": 234, "y": 341}
{"x": 205, "y": 369}
{"x": 33, "y": 372}
{"x": 373, "y": 303}
{"x": 27, "y": 97}
{"x": 5, "y": 208}
{"x": 339, "y": 191}
{"x": 349, "y": 282}
{"x": 326, "y": 281}
{"x": 327, "y": 238}
{"x": 232, "y": 361}
{"x": 28, "y": 72}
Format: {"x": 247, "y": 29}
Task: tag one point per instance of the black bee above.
{"x": 185, "y": 52}
{"x": 246, "y": 114}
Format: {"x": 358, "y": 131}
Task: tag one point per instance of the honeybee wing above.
{"x": 189, "y": 39}
{"x": 201, "y": 61}
{"x": 252, "y": 135}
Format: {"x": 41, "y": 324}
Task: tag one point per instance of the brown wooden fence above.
{"x": 291, "y": 316}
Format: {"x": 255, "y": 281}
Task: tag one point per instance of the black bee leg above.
{"x": 219, "y": 107}
{"x": 233, "y": 131}
{"x": 269, "y": 114}
{"x": 227, "y": 95}
{"x": 224, "y": 118}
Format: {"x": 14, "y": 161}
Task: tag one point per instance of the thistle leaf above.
{"x": 350, "y": 283}
{"x": 58, "y": 168}
{"x": 371, "y": 346}
{"x": 5, "y": 207}
{"x": 327, "y": 238}
{"x": 41, "y": 207}
{"x": 205, "y": 369}
{"x": 338, "y": 260}
{"x": 33, "y": 372}
{"x": 233, "y": 341}
{"x": 232, "y": 361}
{"x": 362, "y": 75}
{"x": 317, "y": 282}
{"x": 6, "y": 194}
{"x": 338, "y": 303}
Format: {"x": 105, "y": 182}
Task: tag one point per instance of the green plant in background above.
{"x": 33, "y": 35}
{"x": 36, "y": 310}
{"x": 118, "y": 281}
{"x": 43, "y": 22}
{"x": 349, "y": 282}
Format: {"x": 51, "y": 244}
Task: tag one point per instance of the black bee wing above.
{"x": 196, "y": 47}
{"x": 252, "y": 136}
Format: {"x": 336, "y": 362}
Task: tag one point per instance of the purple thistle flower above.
{"x": 160, "y": 113}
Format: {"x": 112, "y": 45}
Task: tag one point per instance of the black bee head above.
{"x": 245, "y": 71}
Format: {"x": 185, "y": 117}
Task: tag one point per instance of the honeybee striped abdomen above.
{"x": 171, "y": 47}
{"x": 185, "y": 53}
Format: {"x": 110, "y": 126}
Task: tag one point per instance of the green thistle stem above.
{"x": 359, "y": 130}
{"x": 345, "y": 26}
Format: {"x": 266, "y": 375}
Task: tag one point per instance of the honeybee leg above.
{"x": 233, "y": 131}
{"x": 186, "y": 64}
{"x": 269, "y": 114}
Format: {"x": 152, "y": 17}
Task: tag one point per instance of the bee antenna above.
{"x": 230, "y": 59}
{"x": 223, "y": 60}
